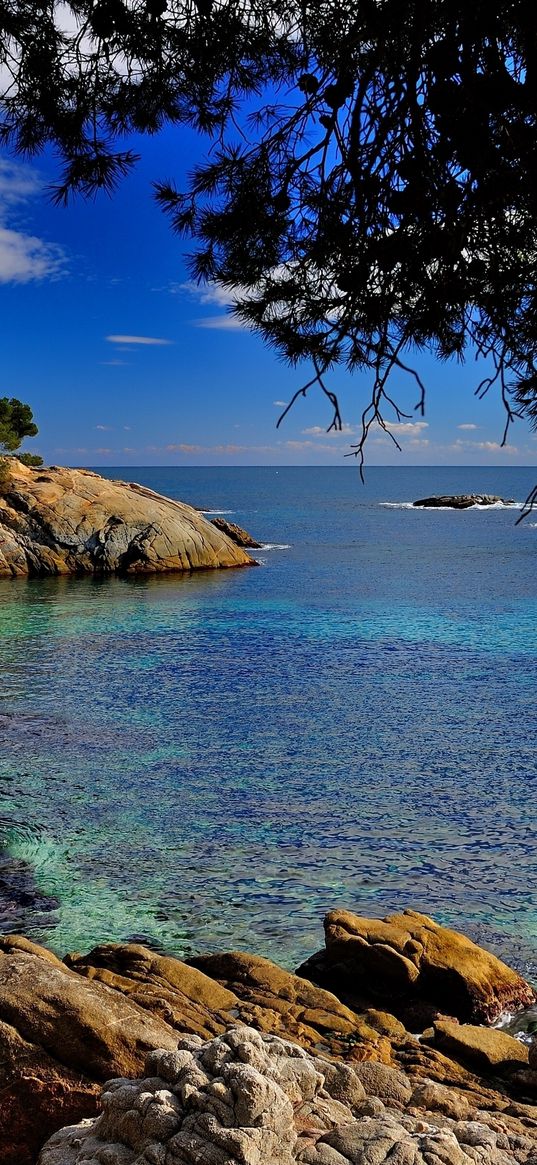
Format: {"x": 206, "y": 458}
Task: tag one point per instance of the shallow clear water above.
{"x": 213, "y": 761}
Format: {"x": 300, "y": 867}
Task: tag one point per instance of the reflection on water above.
{"x": 215, "y": 760}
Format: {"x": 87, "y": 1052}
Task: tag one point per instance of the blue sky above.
{"x": 124, "y": 363}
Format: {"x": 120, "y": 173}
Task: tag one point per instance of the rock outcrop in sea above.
{"x": 72, "y": 521}
{"x": 463, "y": 501}
{"x": 349, "y": 1081}
{"x": 236, "y": 533}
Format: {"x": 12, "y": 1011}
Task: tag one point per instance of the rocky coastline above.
{"x": 57, "y": 521}
{"x": 378, "y": 1050}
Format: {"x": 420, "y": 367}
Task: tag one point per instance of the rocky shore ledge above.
{"x": 230, "y": 1060}
{"x": 72, "y": 521}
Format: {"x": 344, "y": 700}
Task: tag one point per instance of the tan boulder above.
{"x": 212, "y": 992}
{"x": 407, "y": 957}
{"x": 488, "y": 1048}
{"x": 72, "y": 521}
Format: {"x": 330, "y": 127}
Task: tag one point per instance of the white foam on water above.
{"x": 276, "y": 546}
{"x": 217, "y": 511}
{"x": 465, "y": 509}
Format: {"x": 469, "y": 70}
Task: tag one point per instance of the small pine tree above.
{"x": 16, "y": 423}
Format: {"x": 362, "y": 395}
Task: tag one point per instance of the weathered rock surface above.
{"x": 210, "y": 993}
{"x": 248, "y": 1099}
{"x": 67, "y": 1027}
{"x": 236, "y": 533}
{"x": 489, "y": 1048}
{"x": 408, "y": 956}
{"x": 72, "y": 521}
{"x": 60, "y": 1036}
{"x": 463, "y": 501}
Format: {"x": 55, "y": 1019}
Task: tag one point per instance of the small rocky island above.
{"x": 72, "y": 521}
{"x": 463, "y": 501}
{"x": 228, "y": 1059}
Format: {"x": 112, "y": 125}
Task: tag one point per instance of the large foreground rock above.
{"x": 67, "y": 1027}
{"x": 409, "y": 957}
{"x": 247, "y": 1099}
{"x": 72, "y": 521}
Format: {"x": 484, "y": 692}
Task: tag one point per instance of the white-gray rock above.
{"x": 249, "y": 1099}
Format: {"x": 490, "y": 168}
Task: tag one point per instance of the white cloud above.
{"x": 224, "y": 450}
{"x": 318, "y": 431}
{"x": 183, "y": 447}
{"x": 23, "y": 258}
{"x": 104, "y": 428}
{"x": 491, "y": 446}
{"x": 411, "y": 427}
{"x": 27, "y": 259}
{"x": 224, "y": 323}
{"x": 152, "y": 341}
{"x": 461, "y": 446}
{"x": 280, "y": 404}
{"x": 212, "y": 293}
{"x": 17, "y": 183}
{"x": 468, "y": 427}
{"x": 218, "y": 296}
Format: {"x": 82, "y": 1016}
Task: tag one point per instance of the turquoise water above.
{"x": 213, "y": 761}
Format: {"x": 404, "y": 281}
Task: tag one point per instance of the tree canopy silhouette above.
{"x": 370, "y": 189}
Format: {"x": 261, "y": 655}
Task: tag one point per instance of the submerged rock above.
{"x": 248, "y": 1099}
{"x": 408, "y": 956}
{"x": 236, "y": 533}
{"x": 72, "y": 521}
{"x": 463, "y": 501}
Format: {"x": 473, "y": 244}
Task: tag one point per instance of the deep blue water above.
{"x": 213, "y": 761}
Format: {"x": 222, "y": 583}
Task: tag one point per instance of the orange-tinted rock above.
{"x": 488, "y": 1048}
{"x": 212, "y": 992}
{"x": 72, "y": 521}
{"x": 408, "y": 956}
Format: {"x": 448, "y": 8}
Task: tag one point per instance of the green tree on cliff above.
{"x": 16, "y": 423}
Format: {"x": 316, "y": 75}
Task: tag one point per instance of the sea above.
{"x": 215, "y": 760}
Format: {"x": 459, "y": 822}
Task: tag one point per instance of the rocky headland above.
{"x": 231, "y": 1060}
{"x": 56, "y": 521}
{"x": 463, "y": 501}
